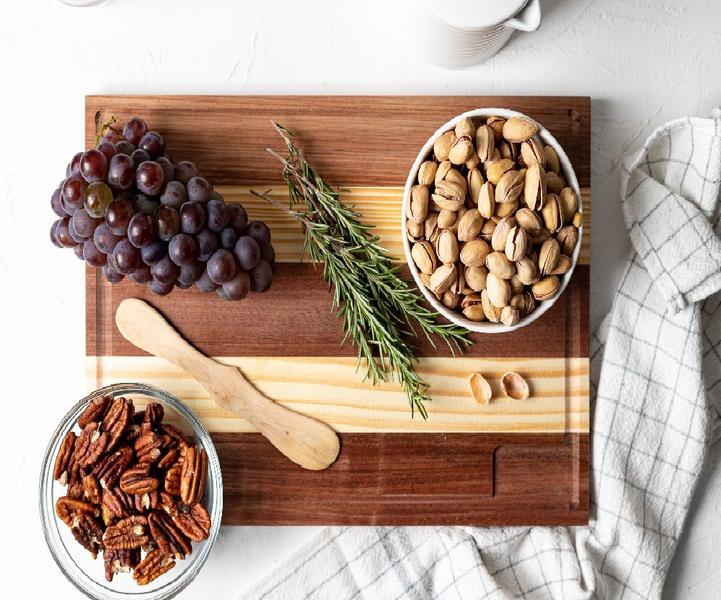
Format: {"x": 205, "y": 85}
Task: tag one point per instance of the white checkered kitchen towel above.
{"x": 657, "y": 398}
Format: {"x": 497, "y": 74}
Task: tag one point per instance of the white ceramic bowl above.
{"x": 568, "y": 174}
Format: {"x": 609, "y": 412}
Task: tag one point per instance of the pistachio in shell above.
{"x": 442, "y": 146}
{"x": 427, "y": 172}
{"x": 519, "y": 129}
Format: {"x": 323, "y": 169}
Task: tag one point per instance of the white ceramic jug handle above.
{"x": 529, "y": 19}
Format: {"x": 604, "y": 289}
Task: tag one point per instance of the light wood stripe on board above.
{"x": 330, "y": 389}
{"x": 379, "y": 206}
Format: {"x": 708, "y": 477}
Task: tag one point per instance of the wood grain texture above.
{"x": 511, "y": 464}
{"x": 330, "y": 390}
{"x": 410, "y": 479}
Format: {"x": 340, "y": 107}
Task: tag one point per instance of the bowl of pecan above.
{"x": 131, "y": 494}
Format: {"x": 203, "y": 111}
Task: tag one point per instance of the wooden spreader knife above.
{"x": 304, "y": 440}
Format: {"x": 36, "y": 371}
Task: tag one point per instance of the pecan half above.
{"x": 145, "y": 502}
{"x": 169, "y": 504}
{"x": 109, "y": 468}
{"x": 90, "y": 445}
{"x": 116, "y": 420}
{"x": 88, "y": 532}
{"x": 126, "y": 534}
{"x": 91, "y": 489}
{"x": 137, "y": 480}
{"x": 75, "y": 486}
{"x": 63, "y": 461}
{"x": 193, "y": 474}
{"x": 172, "y": 480}
{"x": 119, "y": 561}
{"x": 66, "y": 508}
{"x": 168, "y": 536}
{"x": 193, "y": 521}
{"x": 175, "y": 433}
{"x": 169, "y": 458}
{"x": 95, "y": 411}
{"x": 116, "y": 502}
{"x": 148, "y": 447}
{"x": 153, "y": 414}
{"x": 152, "y": 566}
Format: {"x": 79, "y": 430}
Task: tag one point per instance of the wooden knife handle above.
{"x": 306, "y": 441}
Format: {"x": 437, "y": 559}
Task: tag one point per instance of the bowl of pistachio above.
{"x": 492, "y": 220}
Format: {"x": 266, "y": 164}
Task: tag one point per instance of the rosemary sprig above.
{"x": 379, "y": 309}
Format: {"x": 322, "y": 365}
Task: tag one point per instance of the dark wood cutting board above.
{"x": 509, "y": 463}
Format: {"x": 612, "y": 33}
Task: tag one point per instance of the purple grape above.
{"x": 93, "y": 166}
{"x": 111, "y": 136}
{"x": 152, "y": 142}
{"x": 207, "y": 244}
{"x": 221, "y": 266}
{"x": 247, "y": 251}
{"x": 182, "y": 249}
{"x": 153, "y": 252}
{"x": 141, "y": 230}
{"x": 73, "y": 193}
{"x": 125, "y": 147}
{"x": 141, "y": 275}
{"x": 104, "y": 238}
{"x": 237, "y": 217}
{"x": 78, "y": 250}
{"x": 93, "y": 256}
{"x": 118, "y": 215}
{"x": 228, "y": 238}
{"x": 182, "y": 286}
{"x": 134, "y": 130}
{"x": 143, "y": 204}
{"x": 98, "y": 197}
{"x": 267, "y": 252}
{"x": 139, "y": 156}
{"x": 111, "y": 274}
{"x": 174, "y": 195}
{"x": 192, "y": 218}
{"x": 149, "y": 178}
{"x": 126, "y": 257}
{"x": 205, "y": 283}
{"x": 238, "y": 287}
{"x": 56, "y": 203}
{"x": 258, "y": 230}
{"x": 191, "y": 272}
{"x": 168, "y": 222}
{"x": 53, "y": 234}
{"x": 162, "y": 289}
{"x": 74, "y": 165}
{"x": 217, "y": 215}
{"x": 261, "y": 277}
{"x": 165, "y": 270}
{"x": 185, "y": 171}
{"x": 167, "y": 166}
{"x": 108, "y": 149}
{"x": 84, "y": 224}
{"x": 121, "y": 172}
{"x": 199, "y": 190}
{"x": 77, "y": 238}
{"x": 62, "y": 232}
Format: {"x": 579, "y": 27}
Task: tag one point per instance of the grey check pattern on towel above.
{"x": 657, "y": 365}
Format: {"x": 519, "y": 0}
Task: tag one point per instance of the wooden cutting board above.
{"x": 507, "y": 463}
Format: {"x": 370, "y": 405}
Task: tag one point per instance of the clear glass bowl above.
{"x": 76, "y": 563}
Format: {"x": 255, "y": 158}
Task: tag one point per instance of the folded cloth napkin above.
{"x": 658, "y": 355}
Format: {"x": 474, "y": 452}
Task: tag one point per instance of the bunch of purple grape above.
{"x": 126, "y": 208}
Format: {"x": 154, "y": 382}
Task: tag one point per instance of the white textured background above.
{"x": 642, "y": 62}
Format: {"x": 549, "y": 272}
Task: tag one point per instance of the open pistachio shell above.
{"x": 514, "y": 386}
{"x": 481, "y": 389}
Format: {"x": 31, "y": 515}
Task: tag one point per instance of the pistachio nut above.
{"x": 461, "y": 150}
{"x": 446, "y": 218}
{"x": 534, "y": 188}
{"x": 569, "y": 203}
{"x": 418, "y": 203}
{"x": 465, "y": 127}
{"x": 529, "y": 220}
{"x": 577, "y": 220}
{"x": 474, "y": 253}
{"x": 475, "y": 182}
{"x": 554, "y": 182}
{"x": 518, "y": 129}
{"x": 526, "y": 270}
{"x": 568, "y": 238}
{"x": 431, "y": 230}
{"x": 500, "y": 233}
{"x": 509, "y": 187}
{"x": 447, "y": 247}
{"x": 424, "y": 257}
{"x": 532, "y": 153}
{"x": 524, "y": 302}
{"x": 493, "y": 314}
{"x": 548, "y": 256}
{"x": 516, "y": 285}
{"x": 427, "y": 172}
{"x": 442, "y": 146}
{"x": 499, "y": 290}
{"x": 487, "y": 230}
{"x": 552, "y": 162}
{"x": 496, "y": 124}
{"x": 516, "y": 243}
{"x": 469, "y": 226}
{"x": 475, "y": 278}
{"x": 496, "y": 169}
{"x": 443, "y": 278}
{"x": 546, "y": 288}
{"x": 563, "y": 265}
{"x": 414, "y": 231}
{"x": 510, "y": 316}
{"x": 485, "y": 143}
{"x": 480, "y": 388}
{"x": 472, "y": 307}
{"x": 487, "y": 200}
{"x": 551, "y": 213}
{"x": 498, "y": 264}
